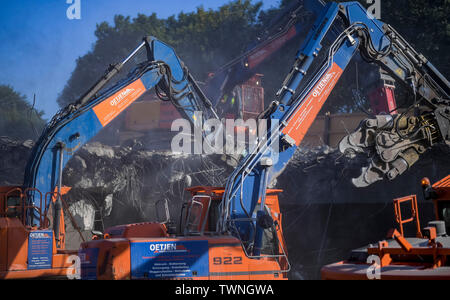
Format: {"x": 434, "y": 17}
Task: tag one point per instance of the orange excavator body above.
{"x": 150, "y": 251}
{"x": 28, "y": 251}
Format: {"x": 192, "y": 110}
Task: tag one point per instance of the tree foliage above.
{"x": 207, "y": 39}
{"x": 18, "y": 119}
{"x": 204, "y": 40}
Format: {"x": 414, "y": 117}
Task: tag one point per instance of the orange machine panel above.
{"x": 114, "y": 256}
{"x": 148, "y": 251}
{"x": 17, "y": 245}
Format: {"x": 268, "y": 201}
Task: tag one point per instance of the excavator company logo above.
{"x": 39, "y": 235}
{"x": 167, "y": 248}
{"x": 323, "y": 84}
{"x": 120, "y": 97}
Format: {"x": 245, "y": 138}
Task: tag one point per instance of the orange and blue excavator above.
{"x": 32, "y": 229}
{"x": 231, "y": 232}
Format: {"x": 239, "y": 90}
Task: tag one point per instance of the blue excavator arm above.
{"x": 79, "y": 122}
{"x": 295, "y": 108}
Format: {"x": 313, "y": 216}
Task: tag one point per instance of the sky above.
{"x": 40, "y": 44}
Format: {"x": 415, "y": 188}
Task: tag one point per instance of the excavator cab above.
{"x": 200, "y": 214}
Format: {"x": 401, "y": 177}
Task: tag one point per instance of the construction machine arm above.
{"x": 78, "y": 123}
{"x": 292, "y": 113}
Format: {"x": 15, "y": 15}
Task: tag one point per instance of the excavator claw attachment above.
{"x": 392, "y": 142}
